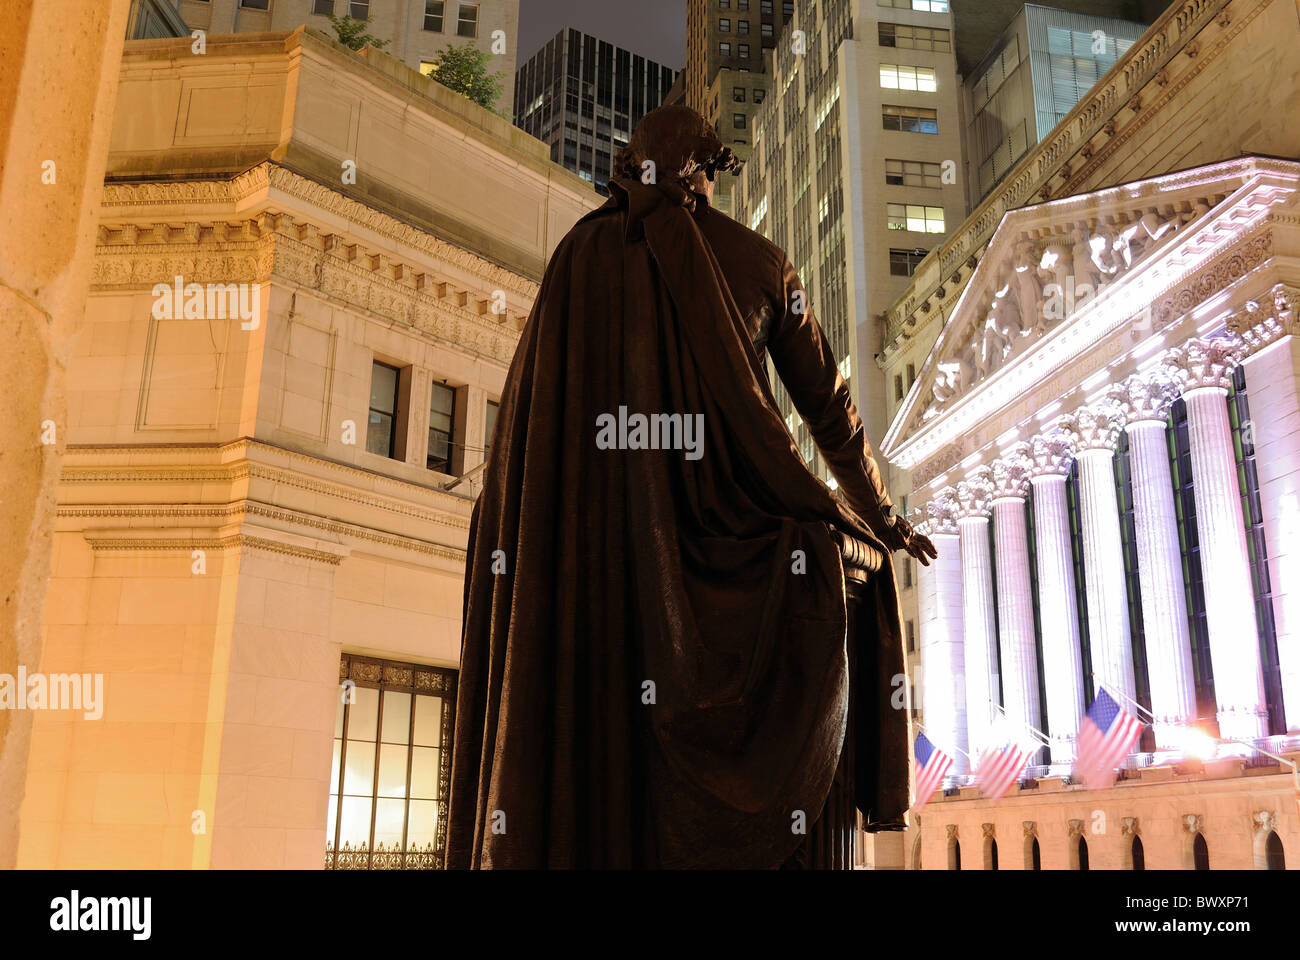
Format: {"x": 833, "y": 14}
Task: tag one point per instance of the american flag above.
{"x": 998, "y": 770}
{"x": 933, "y": 765}
{"x": 1106, "y": 736}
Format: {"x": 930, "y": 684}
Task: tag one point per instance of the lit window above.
{"x": 434, "y": 12}
{"x": 738, "y": 121}
{"x": 392, "y": 766}
{"x": 895, "y": 77}
{"x": 738, "y": 94}
{"x": 467, "y": 20}
{"x": 915, "y": 217}
{"x": 442, "y": 419}
{"x": 427, "y": 68}
{"x": 909, "y": 119}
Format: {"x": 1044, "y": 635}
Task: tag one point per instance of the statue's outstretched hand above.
{"x": 915, "y": 544}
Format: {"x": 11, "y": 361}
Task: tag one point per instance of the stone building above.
{"x": 416, "y": 30}
{"x": 1102, "y": 440}
{"x": 308, "y": 280}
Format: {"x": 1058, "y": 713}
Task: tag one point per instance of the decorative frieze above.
{"x": 1266, "y": 322}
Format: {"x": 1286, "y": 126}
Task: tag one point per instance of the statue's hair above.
{"x": 679, "y": 141}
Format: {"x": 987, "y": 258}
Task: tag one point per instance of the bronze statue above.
{"x": 653, "y": 668}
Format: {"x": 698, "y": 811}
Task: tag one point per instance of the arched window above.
{"x": 1139, "y": 855}
{"x": 1083, "y": 854}
{"x": 1274, "y": 855}
{"x": 954, "y": 854}
{"x": 1033, "y": 860}
{"x": 1200, "y": 853}
{"x": 990, "y": 854}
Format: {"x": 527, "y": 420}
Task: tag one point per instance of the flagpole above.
{"x": 921, "y": 727}
{"x": 1125, "y": 697}
{"x": 1042, "y": 737}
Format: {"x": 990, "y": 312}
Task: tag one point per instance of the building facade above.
{"x": 416, "y": 30}
{"x": 583, "y": 97}
{"x": 855, "y": 170}
{"x": 1102, "y": 442}
{"x": 1044, "y": 62}
{"x": 277, "y": 402}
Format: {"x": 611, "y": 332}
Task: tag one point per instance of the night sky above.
{"x": 652, "y": 28}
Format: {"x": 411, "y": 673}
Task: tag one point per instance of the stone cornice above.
{"x": 135, "y": 540}
{"x": 1264, "y": 323}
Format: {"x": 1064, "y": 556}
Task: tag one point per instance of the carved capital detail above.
{"x": 1264, "y": 822}
{"x": 942, "y": 513}
{"x": 1128, "y": 826}
{"x": 1199, "y": 364}
{"x": 1144, "y": 397}
{"x": 952, "y": 831}
{"x": 975, "y": 495}
{"x": 1192, "y": 823}
{"x": 1011, "y": 472}
{"x": 1266, "y": 322}
{"x": 1075, "y": 829}
{"x": 1095, "y": 427}
{"x": 1050, "y": 455}
{"x": 989, "y": 831}
{"x": 1031, "y": 829}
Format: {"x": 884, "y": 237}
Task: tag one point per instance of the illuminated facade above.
{"x": 1102, "y": 441}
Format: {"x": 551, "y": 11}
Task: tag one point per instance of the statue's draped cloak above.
{"x": 653, "y": 668}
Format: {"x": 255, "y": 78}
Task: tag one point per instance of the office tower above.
{"x": 583, "y": 97}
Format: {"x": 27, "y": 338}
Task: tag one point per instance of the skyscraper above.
{"x": 583, "y": 97}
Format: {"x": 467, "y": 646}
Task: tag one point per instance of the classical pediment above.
{"x": 1057, "y": 278}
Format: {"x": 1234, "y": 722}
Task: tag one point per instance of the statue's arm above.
{"x": 806, "y": 365}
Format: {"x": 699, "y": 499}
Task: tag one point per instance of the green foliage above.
{"x": 464, "y": 69}
{"x": 351, "y": 33}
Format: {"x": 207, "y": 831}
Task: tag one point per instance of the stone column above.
{"x": 1094, "y": 431}
{"x": 1015, "y": 593}
{"x": 1145, "y": 402}
{"x": 1058, "y": 603}
{"x": 1203, "y": 370}
{"x": 943, "y": 658}
{"x": 1270, "y": 333}
{"x": 58, "y": 88}
{"x": 978, "y": 624}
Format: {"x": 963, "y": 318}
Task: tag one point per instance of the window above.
{"x": 427, "y": 67}
{"x": 359, "y": 9}
{"x": 434, "y": 12}
{"x": 766, "y": 30}
{"x": 909, "y": 119}
{"x": 1200, "y": 853}
{"x": 744, "y": 51}
{"x": 1082, "y": 853}
{"x": 765, "y": 6}
{"x": 906, "y": 37}
{"x": 913, "y": 173}
{"x": 787, "y": 9}
{"x": 911, "y": 375}
{"x": 1274, "y": 854}
{"x": 898, "y": 386}
{"x": 381, "y": 428}
{"x": 724, "y": 25}
{"x": 322, "y": 7}
{"x": 725, "y": 4}
{"x": 742, "y": 27}
{"x": 442, "y": 420}
{"x": 738, "y": 94}
{"x": 1139, "y": 854}
{"x": 915, "y": 217}
{"x": 490, "y": 426}
{"x": 392, "y": 766}
{"x": 742, "y": 4}
{"x": 254, "y": 4}
{"x": 895, "y": 77}
{"x": 925, "y": 6}
{"x": 759, "y": 94}
{"x": 724, "y": 49}
{"x": 467, "y": 20}
{"x": 1035, "y": 856}
{"x": 902, "y": 263}
{"x": 911, "y": 637}
{"x": 738, "y": 121}
{"x": 907, "y": 573}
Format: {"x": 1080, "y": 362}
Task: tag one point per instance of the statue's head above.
{"x": 683, "y": 146}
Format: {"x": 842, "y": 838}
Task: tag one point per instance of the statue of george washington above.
{"x": 653, "y": 667}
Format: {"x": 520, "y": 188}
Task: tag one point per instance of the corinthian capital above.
{"x": 975, "y": 494}
{"x": 1203, "y": 363}
{"x": 1011, "y": 472}
{"x": 942, "y": 513}
{"x": 1266, "y": 320}
{"x": 1093, "y": 428}
{"x": 1050, "y": 455}
{"x": 1144, "y": 396}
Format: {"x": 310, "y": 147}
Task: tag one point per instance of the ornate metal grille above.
{"x": 392, "y": 766}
